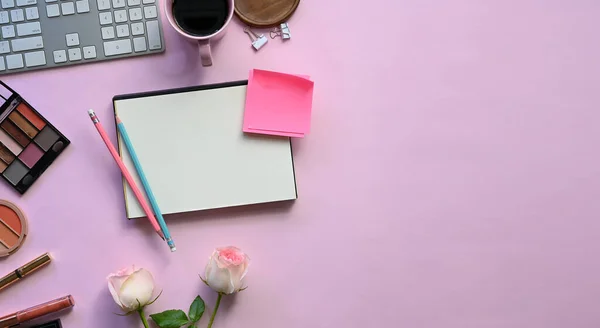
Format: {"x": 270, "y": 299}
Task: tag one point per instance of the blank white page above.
{"x": 195, "y": 155}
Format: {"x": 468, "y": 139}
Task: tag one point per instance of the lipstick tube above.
{"x": 25, "y": 270}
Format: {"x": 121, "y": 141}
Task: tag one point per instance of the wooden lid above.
{"x": 265, "y": 13}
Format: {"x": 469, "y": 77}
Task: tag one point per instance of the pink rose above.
{"x": 226, "y": 270}
{"x": 131, "y": 288}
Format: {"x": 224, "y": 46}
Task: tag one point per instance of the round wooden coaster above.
{"x": 265, "y": 13}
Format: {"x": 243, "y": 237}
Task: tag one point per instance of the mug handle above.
{"x": 205, "y": 53}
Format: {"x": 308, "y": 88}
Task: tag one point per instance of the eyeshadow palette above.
{"x": 13, "y": 228}
{"x": 52, "y": 324}
{"x": 28, "y": 142}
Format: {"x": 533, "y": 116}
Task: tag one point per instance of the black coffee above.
{"x": 200, "y": 17}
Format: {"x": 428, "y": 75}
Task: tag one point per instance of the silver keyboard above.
{"x": 37, "y": 34}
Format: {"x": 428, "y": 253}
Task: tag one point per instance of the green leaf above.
{"x": 196, "y": 309}
{"x": 170, "y": 319}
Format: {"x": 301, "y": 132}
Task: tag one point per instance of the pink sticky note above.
{"x": 278, "y": 104}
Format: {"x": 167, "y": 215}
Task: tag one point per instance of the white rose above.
{"x": 226, "y": 270}
{"x": 131, "y": 288}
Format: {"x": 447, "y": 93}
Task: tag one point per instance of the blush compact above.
{"x": 13, "y": 228}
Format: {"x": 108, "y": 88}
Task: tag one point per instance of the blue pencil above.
{"x": 140, "y": 172}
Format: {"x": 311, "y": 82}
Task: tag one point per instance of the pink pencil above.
{"x": 136, "y": 190}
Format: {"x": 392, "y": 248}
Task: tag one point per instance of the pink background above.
{"x": 449, "y": 179}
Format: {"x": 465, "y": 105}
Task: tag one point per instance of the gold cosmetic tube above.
{"x": 25, "y": 270}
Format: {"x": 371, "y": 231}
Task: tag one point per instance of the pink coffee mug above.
{"x": 203, "y": 41}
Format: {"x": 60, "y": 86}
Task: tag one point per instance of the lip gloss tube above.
{"x": 17, "y": 318}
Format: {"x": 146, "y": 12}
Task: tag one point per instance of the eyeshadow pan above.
{"x": 15, "y": 132}
{"x": 7, "y": 236}
{"x": 6, "y": 155}
{"x": 15, "y": 172}
{"x": 11, "y": 144}
{"x": 31, "y": 116}
{"x": 2, "y": 166}
{"x": 31, "y": 155}
{"x": 23, "y": 124}
{"x": 10, "y": 218}
{"x": 46, "y": 138}
{"x": 5, "y": 93}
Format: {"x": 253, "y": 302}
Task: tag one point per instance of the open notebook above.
{"x": 194, "y": 154}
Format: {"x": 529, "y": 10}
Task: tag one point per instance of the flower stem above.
{"x": 143, "y": 317}
{"x": 212, "y": 317}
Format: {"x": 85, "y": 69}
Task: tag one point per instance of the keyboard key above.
{"x": 108, "y": 32}
{"x": 122, "y": 31}
{"x": 120, "y": 16}
{"x": 150, "y": 12}
{"x": 139, "y": 44}
{"x": 14, "y": 61}
{"x": 52, "y": 10}
{"x": 3, "y": 17}
{"x": 137, "y": 28}
{"x": 8, "y": 4}
{"x": 37, "y": 58}
{"x": 22, "y": 3}
{"x": 48, "y": 1}
{"x": 4, "y": 47}
{"x": 153, "y": 35}
{"x": 32, "y": 13}
{"x": 72, "y": 39}
{"x": 118, "y": 47}
{"x": 133, "y": 2}
{"x": 29, "y": 29}
{"x": 83, "y": 6}
{"x": 74, "y": 54}
{"x": 8, "y": 31}
{"x": 103, "y": 4}
{"x": 147, "y": 1}
{"x": 118, "y": 3}
{"x": 17, "y": 15}
{"x": 2, "y": 67}
{"x": 105, "y": 18}
{"x": 135, "y": 14}
{"x": 60, "y": 56}
{"x": 34, "y": 42}
{"x": 68, "y": 8}
{"x": 89, "y": 52}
